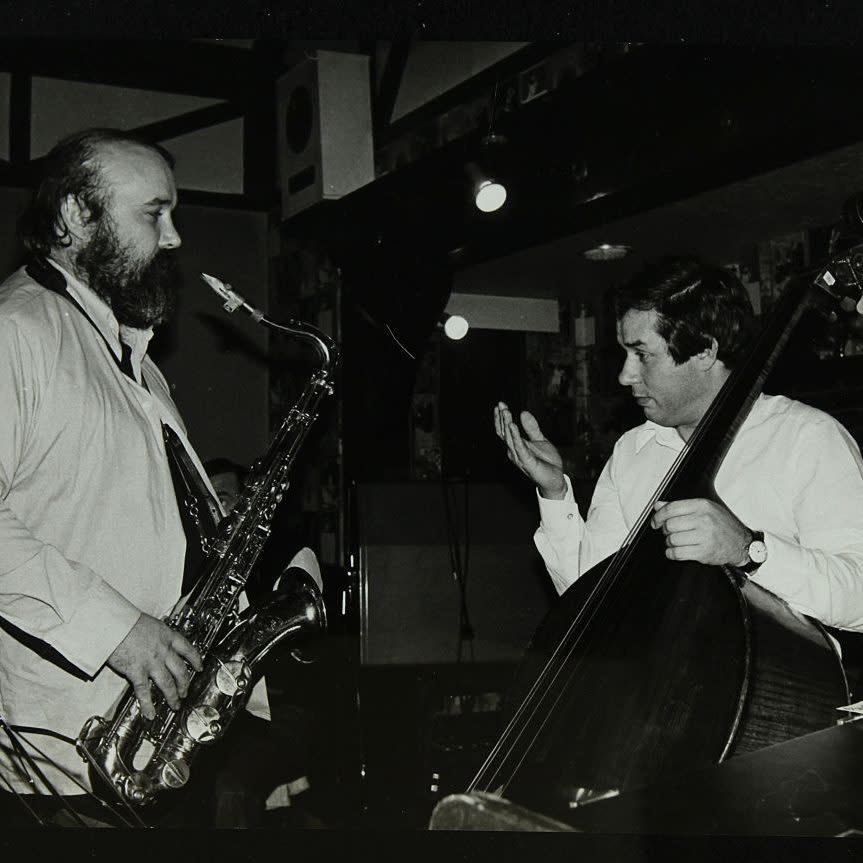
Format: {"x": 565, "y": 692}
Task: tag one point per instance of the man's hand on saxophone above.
{"x": 152, "y": 651}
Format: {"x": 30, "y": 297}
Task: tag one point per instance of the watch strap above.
{"x": 751, "y": 566}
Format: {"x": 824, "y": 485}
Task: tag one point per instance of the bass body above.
{"x": 683, "y": 666}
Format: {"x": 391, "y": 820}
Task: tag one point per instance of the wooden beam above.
{"x": 19, "y": 118}
{"x": 164, "y": 65}
{"x": 191, "y": 121}
{"x": 260, "y": 180}
{"x": 391, "y": 80}
{"x": 477, "y": 84}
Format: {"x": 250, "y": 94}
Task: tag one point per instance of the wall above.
{"x": 216, "y": 363}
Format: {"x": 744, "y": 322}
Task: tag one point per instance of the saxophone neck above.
{"x": 327, "y": 349}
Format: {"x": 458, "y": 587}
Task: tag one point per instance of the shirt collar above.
{"x": 664, "y": 436}
{"x": 670, "y": 437}
{"x": 102, "y": 316}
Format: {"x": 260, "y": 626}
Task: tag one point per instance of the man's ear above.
{"x": 708, "y": 357}
{"x": 75, "y": 216}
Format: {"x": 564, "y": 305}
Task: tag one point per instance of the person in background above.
{"x": 250, "y": 778}
{"x": 227, "y": 478}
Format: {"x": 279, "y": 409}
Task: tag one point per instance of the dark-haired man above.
{"x": 791, "y": 483}
{"x": 92, "y": 543}
{"x": 227, "y": 478}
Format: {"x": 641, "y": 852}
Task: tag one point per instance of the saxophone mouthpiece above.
{"x": 233, "y": 300}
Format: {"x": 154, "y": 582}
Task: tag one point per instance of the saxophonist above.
{"x": 93, "y": 456}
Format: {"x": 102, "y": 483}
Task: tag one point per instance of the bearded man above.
{"x": 92, "y": 541}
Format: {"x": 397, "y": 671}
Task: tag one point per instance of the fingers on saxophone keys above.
{"x": 165, "y": 681}
{"x": 188, "y": 651}
{"x": 180, "y": 672}
{"x": 145, "y": 699}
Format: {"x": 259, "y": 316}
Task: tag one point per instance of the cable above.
{"x": 16, "y": 736}
{"x": 465, "y": 628}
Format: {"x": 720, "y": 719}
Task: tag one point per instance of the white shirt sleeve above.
{"x": 59, "y": 601}
{"x": 819, "y": 569}
{"x": 569, "y": 545}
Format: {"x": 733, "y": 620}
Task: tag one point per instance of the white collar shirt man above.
{"x": 89, "y": 528}
{"x": 792, "y": 471}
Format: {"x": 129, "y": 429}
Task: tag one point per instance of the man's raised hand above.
{"x": 535, "y": 456}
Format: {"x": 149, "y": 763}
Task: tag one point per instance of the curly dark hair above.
{"x": 71, "y": 168}
{"x": 695, "y": 303}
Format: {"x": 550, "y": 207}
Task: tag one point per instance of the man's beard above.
{"x": 141, "y": 294}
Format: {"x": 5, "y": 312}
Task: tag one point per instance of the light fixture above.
{"x": 489, "y": 196}
{"x": 454, "y": 326}
{"x": 489, "y": 191}
{"x": 607, "y": 252}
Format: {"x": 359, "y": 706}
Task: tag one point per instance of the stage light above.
{"x": 489, "y": 191}
{"x": 489, "y": 196}
{"x": 454, "y": 326}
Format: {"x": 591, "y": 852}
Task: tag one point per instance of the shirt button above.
{"x": 570, "y": 515}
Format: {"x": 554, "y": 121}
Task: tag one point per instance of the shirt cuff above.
{"x": 98, "y": 625}
{"x": 556, "y": 516}
{"x": 779, "y": 573}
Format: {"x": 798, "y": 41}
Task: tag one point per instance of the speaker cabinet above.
{"x": 324, "y": 129}
{"x": 410, "y": 602}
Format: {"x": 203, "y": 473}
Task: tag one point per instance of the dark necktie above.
{"x": 193, "y": 503}
{"x": 126, "y": 360}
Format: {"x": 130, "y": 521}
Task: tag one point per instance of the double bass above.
{"x": 647, "y": 668}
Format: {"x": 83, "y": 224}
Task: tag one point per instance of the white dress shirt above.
{"x": 792, "y": 471}
{"x": 90, "y": 535}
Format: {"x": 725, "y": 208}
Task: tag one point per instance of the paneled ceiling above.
{"x": 718, "y": 224}
{"x": 664, "y": 148}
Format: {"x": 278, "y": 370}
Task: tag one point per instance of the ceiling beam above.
{"x": 391, "y": 81}
{"x": 472, "y": 87}
{"x": 19, "y": 118}
{"x": 164, "y": 65}
{"x": 191, "y": 121}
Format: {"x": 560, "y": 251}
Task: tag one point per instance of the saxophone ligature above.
{"x": 140, "y": 758}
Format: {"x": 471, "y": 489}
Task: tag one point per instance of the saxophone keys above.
{"x": 232, "y": 677}
{"x": 175, "y": 774}
{"x": 203, "y": 725}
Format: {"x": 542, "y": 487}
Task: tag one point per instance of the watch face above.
{"x": 757, "y": 551}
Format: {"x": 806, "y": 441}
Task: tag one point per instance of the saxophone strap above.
{"x": 198, "y": 513}
{"x": 197, "y": 510}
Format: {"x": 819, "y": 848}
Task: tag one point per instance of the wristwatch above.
{"x": 756, "y": 551}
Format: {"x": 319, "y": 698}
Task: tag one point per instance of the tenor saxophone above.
{"x": 140, "y": 758}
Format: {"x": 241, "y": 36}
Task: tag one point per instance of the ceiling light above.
{"x": 489, "y": 196}
{"x": 607, "y": 252}
{"x": 487, "y": 184}
{"x": 455, "y": 326}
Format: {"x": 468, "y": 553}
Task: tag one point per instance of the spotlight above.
{"x": 489, "y": 196}
{"x": 488, "y": 188}
{"x": 455, "y": 326}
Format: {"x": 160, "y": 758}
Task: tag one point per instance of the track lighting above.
{"x": 488, "y": 189}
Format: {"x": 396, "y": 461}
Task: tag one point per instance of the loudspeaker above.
{"x": 410, "y": 602}
{"x": 324, "y": 129}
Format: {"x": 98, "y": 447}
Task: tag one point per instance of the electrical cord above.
{"x": 459, "y": 570}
